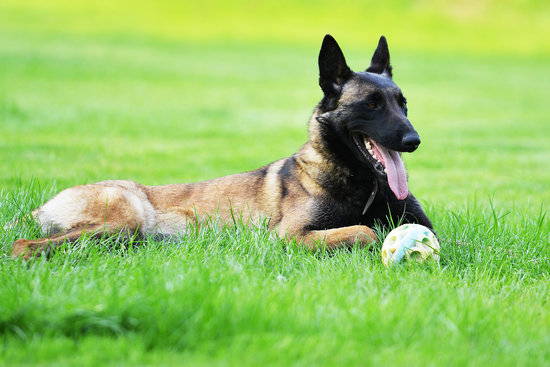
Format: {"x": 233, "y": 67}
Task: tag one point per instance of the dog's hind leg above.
{"x": 97, "y": 209}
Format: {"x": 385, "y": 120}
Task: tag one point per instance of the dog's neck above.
{"x": 330, "y": 162}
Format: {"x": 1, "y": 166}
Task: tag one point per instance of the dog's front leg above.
{"x": 402, "y": 211}
{"x": 408, "y": 211}
{"x": 412, "y": 212}
{"x": 338, "y": 237}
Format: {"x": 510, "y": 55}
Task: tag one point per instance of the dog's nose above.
{"x": 411, "y": 142}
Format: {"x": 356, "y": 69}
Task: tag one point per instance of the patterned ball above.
{"x": 410, "y": 242}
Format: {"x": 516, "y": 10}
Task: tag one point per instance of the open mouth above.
{"x": 386, "y": 162}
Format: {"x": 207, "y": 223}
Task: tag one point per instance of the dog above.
{"x": 348, "y": 177}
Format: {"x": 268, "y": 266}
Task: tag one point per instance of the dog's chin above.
{"x": 385, "y": 162}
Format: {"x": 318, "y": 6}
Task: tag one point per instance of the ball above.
{"x": 412, "y": 242}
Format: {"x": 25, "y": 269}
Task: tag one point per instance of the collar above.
{"x": 371, "y": 197}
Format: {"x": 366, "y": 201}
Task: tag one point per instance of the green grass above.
{"x": 171, "y": 93}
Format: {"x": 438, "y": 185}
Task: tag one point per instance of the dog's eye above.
{"x": 372, "y": 105}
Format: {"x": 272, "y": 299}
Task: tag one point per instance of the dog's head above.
{"x": 367, "y": 113}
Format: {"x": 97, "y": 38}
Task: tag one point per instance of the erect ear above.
{"x": 380, "y": 63}
{"x": 333, "y": 70}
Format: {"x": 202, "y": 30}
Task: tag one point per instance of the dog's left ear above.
{"x": 380, "y": 63}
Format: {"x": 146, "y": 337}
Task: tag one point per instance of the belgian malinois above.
{"x": 345, "y": 179}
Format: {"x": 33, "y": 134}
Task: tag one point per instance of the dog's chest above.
{"x": 346, "y": 211}
{"x": 331, "y": 213}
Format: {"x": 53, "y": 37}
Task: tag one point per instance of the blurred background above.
{"x": 176, "y": 91}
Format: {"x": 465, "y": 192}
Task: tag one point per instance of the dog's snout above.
{"x": 411, "y": 141}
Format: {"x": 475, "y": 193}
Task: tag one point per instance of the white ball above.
{"x": 410, "y": 242}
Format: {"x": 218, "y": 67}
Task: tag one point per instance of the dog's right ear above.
{"x": 333, "y": 71}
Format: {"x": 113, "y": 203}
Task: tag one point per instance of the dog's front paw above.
{"x": 364, "y": 235}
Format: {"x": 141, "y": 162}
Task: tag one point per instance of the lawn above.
{"x": 173, "y": 92}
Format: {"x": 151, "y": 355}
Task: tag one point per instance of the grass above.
{"x": 165, "y": 94}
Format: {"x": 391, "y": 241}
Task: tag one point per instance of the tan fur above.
{"x": 336, "y": 236}
{"x": 126, "y": 206}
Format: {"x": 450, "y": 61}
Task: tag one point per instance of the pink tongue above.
{"x": 395, "y": 170}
